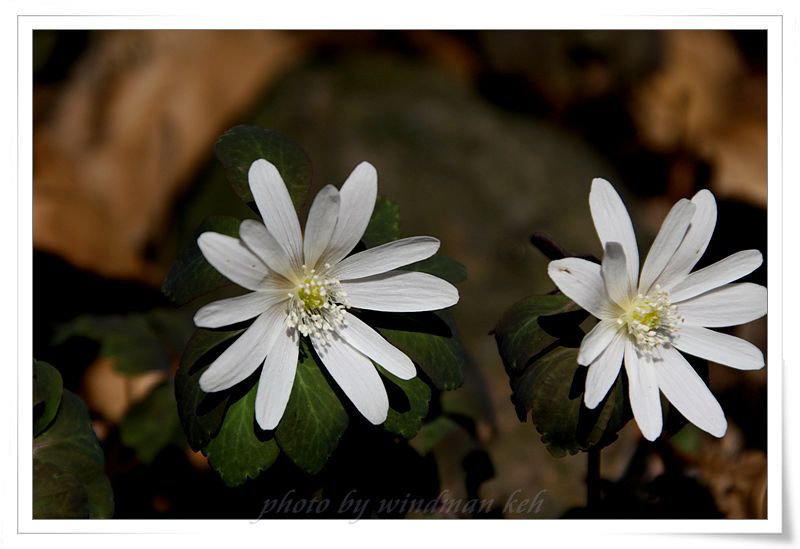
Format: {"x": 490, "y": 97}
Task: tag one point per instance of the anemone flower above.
{"x": 304, "y": 285}
{"x": 646, "y": 320}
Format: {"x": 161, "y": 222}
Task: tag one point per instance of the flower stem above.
{"x": 593, "y": 482}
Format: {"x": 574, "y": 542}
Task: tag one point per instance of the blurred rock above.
{"x": 118, "y": 142}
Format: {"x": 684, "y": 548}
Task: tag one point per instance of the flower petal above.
{"x": 357, "y": 377}
{"x": 643, "y": 392}
{"x": 233, "y": 259}
{"x": 256, "y": 237}
{"x": 672, "y": 232}
{"x": 596, "y": 341}
{"x": 277, "y": 378}
{"x": 615, "y": 274}
{"x": 718, "y": 347}
{"x": 247, "y": 353}
{"x": 275, "y": 204}
{"x": 357, "y": 200}
{"x": 613, "y": 224}
{"x": 386, "y": 257}
{"x": 603, "y": 371}
{"x": 728, "y": 305}
{"x": 320, "y": 224}
{"x": 694, "y": 243}
{"x": 236, "y": 309}
{"x": 722, "y": 272}
{"x": 370, "y": 343}
{"x": 400, "y": 291}
{"x": 688, "y": 393}
{"x": 582, "y": 282}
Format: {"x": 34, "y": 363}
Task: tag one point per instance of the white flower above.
{"x": 303, "y": 285}
{"x": 647, "y": 319}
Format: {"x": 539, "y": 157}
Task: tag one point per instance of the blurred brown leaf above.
{"x": 705, "y": 100}
{"x": 124, "y": 134}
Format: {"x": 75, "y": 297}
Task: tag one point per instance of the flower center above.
{"x": 317, "y": 305}
{"x": 651, "y": 319}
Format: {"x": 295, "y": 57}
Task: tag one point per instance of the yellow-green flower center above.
{"x": 651, "y": 319}
{"x": 317, "y": 305}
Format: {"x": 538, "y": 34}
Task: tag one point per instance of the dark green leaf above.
{"x": 314, "y": 419}
{"x": 47, "y": 387}
{"x": 152, "y": 423}
{"x": 521, "y": 335}
{"x": 429, "y": 339}
{"x": 241, "y": 450}
{"x": 538, "y": 339}
{"x": 384, "y": 225}
{"x": 239, "y": 147}
{"x": 139, "y": 342}
{"x": 408, "y": 404}
{"x": 441, "y": 266}
{"x": 69, "y": 466}
{"x": 552, "y": 390}
{"x": 200, "y": 413}
{"x": 191, "y": 275}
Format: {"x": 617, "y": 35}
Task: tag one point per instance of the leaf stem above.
{"x": 593, "y": 481}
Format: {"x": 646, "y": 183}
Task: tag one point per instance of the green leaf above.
{"x": 408, "y": 404}
{"x": 315, "y": 418}
{"x": 538, "y": 339}
{"x": 384, "y": 225}
{"x": 139, "y": 342}
{"x": 442, "y": 266}
{"x": 201, "y": 413}
{"x": 152, "y": 423}
{"x": 241, "y": 450}
{"x": 429, "y": 339}
{"x": 69, "y": 467}
{"x": 47, "y": 388}
{"x": 240, "y": 146}
{"x": 191, "y": 275}
{"x": 521, "y": 336}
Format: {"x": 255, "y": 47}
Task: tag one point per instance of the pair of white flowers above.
{"x": 302, "y": 284}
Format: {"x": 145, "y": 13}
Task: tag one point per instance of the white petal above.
{"x": 603, "y": 371}
{"x": 233, "y": 259}
{"x": 688, "y": 393}
{"x": 277, "y": 378}
{"x": 357, "y": 377}
{"x": 247, "y": 353}
{"x": 596, "y": 341}
{"x": 320, "y": 224}
{"x": 726, "y": 306}
{"x": 613, "y": 224}
{"x": 236, "y": 309}
{"x": 357, "y": 200}
{"x": 643, "y": 392}
{"x": 256, "y": 237}
{"x": 370, "y": 343}
{"x": 672, "y": 232}
{"x": 386, "y": 257}
{"x": 615, "y": 274}
{"x": 722, "y": 272}
{"x": 718, "y": 347}
{"x": 694, "y": 243}
{"x": 582, "y": 282}
{"x": 400, "y": 291}
{"x": 275, "y": 204}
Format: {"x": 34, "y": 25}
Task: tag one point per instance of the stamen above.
{"x": 317, "y": 306}
{"x": 651, "y": 320}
